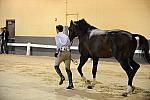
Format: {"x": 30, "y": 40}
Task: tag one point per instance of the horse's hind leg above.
{"x": 135, "y": 66}
{"x": 82, "y": 62}
{"x": 130, "y": 73}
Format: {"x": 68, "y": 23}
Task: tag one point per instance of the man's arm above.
{"x": 58, "y": 43}
{"x": 57, "y": 40}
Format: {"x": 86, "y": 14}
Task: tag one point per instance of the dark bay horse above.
{"x": 95, "y": 43}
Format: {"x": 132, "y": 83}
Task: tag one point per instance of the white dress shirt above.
{"x": 61, "y": 40}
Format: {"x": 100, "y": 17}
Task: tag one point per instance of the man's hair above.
{"x": 60, "y": 28}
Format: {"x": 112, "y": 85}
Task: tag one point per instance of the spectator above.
{"x": 1, "y": 30}
{"x": 4, "y": 36}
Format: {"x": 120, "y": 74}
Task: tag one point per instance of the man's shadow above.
{"x": 83, "y": 93}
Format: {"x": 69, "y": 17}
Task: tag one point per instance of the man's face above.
{"x": 57, "y": 30}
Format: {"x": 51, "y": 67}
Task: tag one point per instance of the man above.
{"x": 4, "y": 36}
{"x": 1, "y": 30}
{"x": 63, "y": 55}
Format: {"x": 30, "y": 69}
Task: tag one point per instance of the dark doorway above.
{"x": 10, "y": 24}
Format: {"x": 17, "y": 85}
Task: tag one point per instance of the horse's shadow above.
{"x": 97, "y": 95}
{"x": 83, "y": 93}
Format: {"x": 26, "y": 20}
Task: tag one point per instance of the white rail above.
{"x": 29, "y": 45}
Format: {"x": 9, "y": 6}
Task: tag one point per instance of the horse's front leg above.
{"x": 82, "y": 62}
{"x": 94, "y": 70}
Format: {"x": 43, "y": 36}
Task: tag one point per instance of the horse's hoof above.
{"x": 128, "y": 91}
{"x": 70, "y": 86}
{"x": 90, "y": 87}
{"x": 88, "y": 82}
{"x": 125, "y": 94}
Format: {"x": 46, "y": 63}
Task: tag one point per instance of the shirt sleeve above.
{"x": 57, "y": 40}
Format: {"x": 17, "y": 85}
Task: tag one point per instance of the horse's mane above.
{"x": 84, "y": 26}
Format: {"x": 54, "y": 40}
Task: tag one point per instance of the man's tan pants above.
{"x": 63, "y": 56}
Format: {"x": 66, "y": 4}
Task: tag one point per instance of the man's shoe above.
{"x": 61, "y": 80}
{"x": 70, "y": 86}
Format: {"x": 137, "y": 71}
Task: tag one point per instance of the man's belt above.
{"x": 65, "y": 48}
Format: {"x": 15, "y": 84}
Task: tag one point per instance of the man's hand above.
{"x": 56, "y": 53}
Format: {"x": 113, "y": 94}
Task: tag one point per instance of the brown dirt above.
{"x": 34, "y": 78}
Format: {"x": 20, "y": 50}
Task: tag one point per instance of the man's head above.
{"x": 4, "y": 28}
{"x": 59, "y": 28}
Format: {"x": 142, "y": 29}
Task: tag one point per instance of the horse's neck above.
{"x": 84, "y": 34}
{"x": 83, "y": 38}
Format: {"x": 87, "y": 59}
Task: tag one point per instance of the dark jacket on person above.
{"x": 4, "y": 36}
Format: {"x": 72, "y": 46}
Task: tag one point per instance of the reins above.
{"x": 73, "y": 60}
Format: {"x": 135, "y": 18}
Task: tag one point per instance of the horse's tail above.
{"x": 144, "y": 46}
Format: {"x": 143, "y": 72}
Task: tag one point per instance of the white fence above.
{"x": 29, "y": 45}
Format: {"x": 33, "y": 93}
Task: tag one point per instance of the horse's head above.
{"x": 79, "y": 28}
{"x": 73, "y": 32}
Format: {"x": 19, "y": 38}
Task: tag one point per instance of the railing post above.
{"x": 28, "y": 49}
{"x": 137, "y": 39}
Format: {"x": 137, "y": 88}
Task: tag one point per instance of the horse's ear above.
{"x": 71, "y": 22}
{"x": 83, "y": 19}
